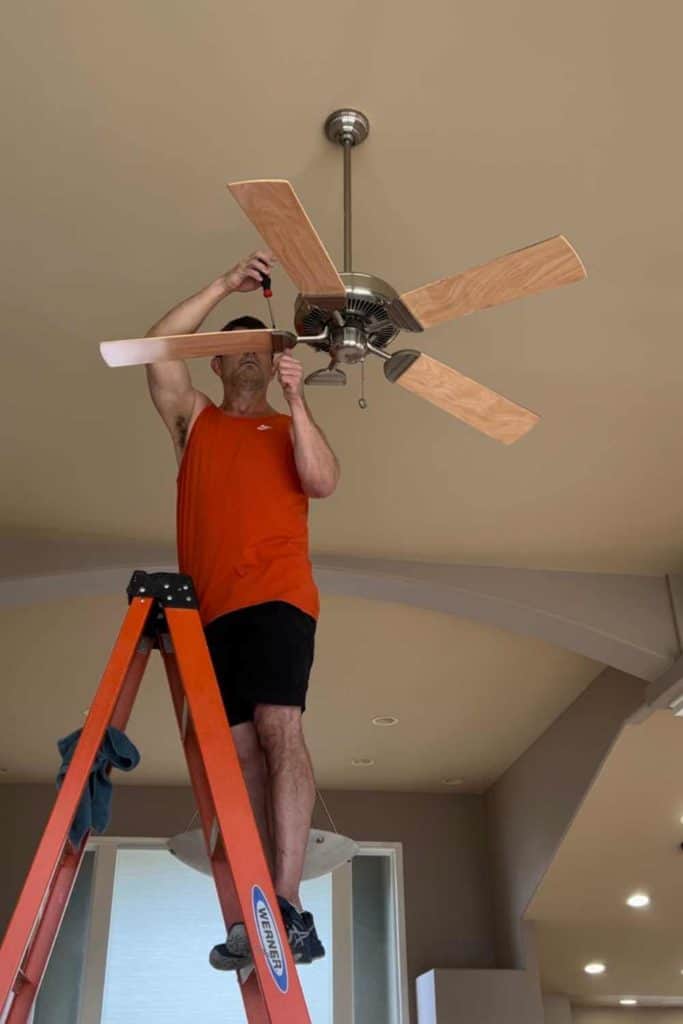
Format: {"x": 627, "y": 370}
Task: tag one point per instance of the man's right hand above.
{"x": 246, "y": 276}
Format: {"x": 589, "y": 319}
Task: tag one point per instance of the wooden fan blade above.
{"x": 274, "y": 209}
{"x": 528, "y": 271}
{"x": 138, "y": 351}
{"x": 460, "y": 396}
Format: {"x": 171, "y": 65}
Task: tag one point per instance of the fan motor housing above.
{"x": 365, "y": 317}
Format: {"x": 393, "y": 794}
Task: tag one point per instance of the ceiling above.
{"x": 533, "y": 118}
{"x": 493, "y": 125}
{"x": 627, "y": 837}
{"x": 439, "y": 675}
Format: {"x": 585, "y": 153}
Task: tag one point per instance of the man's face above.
{"x": 248, "y": 371}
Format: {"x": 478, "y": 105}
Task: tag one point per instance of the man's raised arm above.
{"x": 169, "y": 382}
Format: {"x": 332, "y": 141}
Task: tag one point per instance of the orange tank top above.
{"x": 242, "y": 517}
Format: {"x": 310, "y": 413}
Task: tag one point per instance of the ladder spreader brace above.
{"x": 162, "y": 613}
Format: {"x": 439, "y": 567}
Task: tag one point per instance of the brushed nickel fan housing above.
{"x": 365, "y": 317}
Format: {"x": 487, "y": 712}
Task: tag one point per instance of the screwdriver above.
{"x": 267, "y": 294}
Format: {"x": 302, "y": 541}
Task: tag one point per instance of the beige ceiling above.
{"x": 626, "y": 837}
{"x": 440, "y": 676}
{"x": 493, "y": 125}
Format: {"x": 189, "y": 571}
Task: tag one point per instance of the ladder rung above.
{"x": 213, "y": 838}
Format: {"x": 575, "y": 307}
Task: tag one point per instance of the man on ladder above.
{"x": 245, "y": 476}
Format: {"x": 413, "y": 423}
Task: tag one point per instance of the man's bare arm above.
{"x": 170, "y": 384}
{"x": 316, "y": 463}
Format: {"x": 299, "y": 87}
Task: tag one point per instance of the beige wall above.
{"x": 448, "y": 919}
{"x": 478, "y": 997}
{"x": 557, "y": 1010}
{"x": 532, "y": 805}
{"x": 627, "y": 1015}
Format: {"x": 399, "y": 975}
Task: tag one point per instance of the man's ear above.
{"x": 274, "y": 364}
{"x": 217, "y": 366}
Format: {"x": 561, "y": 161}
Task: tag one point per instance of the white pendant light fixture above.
{"x": 325, "y": 851}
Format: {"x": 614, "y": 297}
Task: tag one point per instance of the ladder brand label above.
{"x": 270, "y": 938}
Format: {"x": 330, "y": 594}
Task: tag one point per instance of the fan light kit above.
{"x": 352, "y": 316}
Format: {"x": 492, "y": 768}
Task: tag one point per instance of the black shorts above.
{"x": 261, "y": 655}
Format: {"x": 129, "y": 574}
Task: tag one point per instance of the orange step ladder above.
{"x": 162, "y": 613}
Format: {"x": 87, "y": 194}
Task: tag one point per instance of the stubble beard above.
{"x": 248, "y": 378}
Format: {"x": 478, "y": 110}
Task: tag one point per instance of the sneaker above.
{"x": 234, "y": 953}
{"x": 316, "y": 948}
{"x": 301, "y": 934}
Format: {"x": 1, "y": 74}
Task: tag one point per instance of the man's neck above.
{"x": 246, "y": 403}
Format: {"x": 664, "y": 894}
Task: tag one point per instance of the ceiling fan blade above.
{"x": 544, "y": 265}
{"x": 138, "y": 351}
{"x": 474, "y": 404}
{"x": 274, "y": 209}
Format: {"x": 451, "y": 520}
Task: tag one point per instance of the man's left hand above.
{"x": 290, "y": 374}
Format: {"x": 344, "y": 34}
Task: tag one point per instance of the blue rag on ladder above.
{"x": 94, "y": 810}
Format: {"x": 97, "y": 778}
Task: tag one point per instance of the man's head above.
{"x": 247, "y": 371}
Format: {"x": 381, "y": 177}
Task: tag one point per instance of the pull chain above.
{"x": 361, "y": 401}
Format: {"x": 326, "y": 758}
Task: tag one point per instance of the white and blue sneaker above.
{"x": 235, "y": 953}
{"x": 301, "y": 934}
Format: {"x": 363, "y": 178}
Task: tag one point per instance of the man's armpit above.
{"x": 180, "y": 427}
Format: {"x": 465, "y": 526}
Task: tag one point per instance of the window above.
{"x": 165, "y": 919}
{"x": 134, "y": 943}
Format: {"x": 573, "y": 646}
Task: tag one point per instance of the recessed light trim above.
{"x": 362, "y": 762}
{"x": 452, "y": 781}
{"x": 385, "y": 720}
{"x": 595, "y": 967}
{"x": 637, "y": 900}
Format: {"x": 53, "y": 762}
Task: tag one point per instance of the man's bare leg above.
{"x": 291, "y": 790}
{"x": 254, "y": 770}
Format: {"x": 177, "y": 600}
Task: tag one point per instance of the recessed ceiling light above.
{"x": 362, "y": 762}
{"x": 638, "y": 899}
{"x": 385, "y": 720}
{"x": 452, "y": 782}
{"x": 4, "y": 771}
{"x": 595, "y": 967}
{"x": 628, "y": 1002}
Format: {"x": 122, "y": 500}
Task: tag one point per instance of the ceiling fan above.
{"x": 351, "y": 316}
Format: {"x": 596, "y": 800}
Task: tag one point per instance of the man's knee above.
{"x": 279, "y": 730}
{"x": 249, "y": 751}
